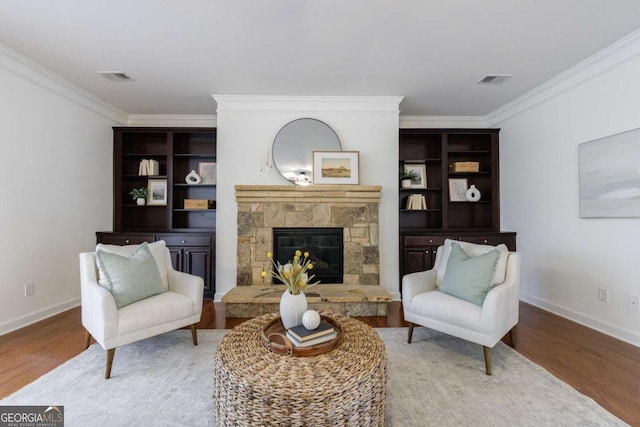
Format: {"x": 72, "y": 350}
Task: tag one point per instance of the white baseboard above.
{"x": 29, "y": 319}
{"x": 622, "y": 334}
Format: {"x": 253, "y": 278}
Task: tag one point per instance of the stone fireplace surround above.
{"x": 351, "y": 207}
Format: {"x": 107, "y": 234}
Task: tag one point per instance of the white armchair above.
{"x": 425, "y": 305}
{"x": 179, "y": 306}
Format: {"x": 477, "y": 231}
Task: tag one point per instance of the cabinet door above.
{"x": 177, "y": 257}
{"x": 197, "y": 261}
{"x": 419, "y": 259}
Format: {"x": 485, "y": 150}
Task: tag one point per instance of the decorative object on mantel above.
{"x": 294, "y": 275}
{"x": 294, "y": 145}
{"x": 472, "y": 194}
{"x": 139, "y": 195}
{"x": 336, "y": 167}
{"x": 193, "y": 178}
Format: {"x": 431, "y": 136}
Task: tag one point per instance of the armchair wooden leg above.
{"x": 87, "y": 339}
{"x": 194, "y": 334}
{"x": 512, "y": 337}
{"x": 487, "y": 359}
{"x": 410, "y": 333}
{"x": 110, "y": 354}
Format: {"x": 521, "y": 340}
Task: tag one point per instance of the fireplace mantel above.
{"x": 308, "y": 194}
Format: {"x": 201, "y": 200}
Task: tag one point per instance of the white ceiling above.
{"x": 431, "y": 52}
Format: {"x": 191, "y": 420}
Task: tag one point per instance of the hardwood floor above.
{"x": 606, "y": 369}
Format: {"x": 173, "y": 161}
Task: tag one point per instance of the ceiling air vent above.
{"x": 115, "y": 75}
{"x": 494, "y": 79}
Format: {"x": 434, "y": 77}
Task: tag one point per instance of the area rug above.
{"x": 435, "y": 381}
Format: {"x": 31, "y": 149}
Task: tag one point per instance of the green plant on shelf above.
{"x": 412, "y": 175}
{"x": 138, "y": 193}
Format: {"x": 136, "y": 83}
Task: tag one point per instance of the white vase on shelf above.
{"x": 472, "y": 194}
{"x": 292, "y": 307}
{"x": 140, "y": 201}
{"x": 193, "y": 178}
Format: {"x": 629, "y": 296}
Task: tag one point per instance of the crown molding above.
{"x": 610, "y": 56}
{"x": 409, "y": 122}
{"x": 307, "y": 103}
{"x": 172, "y": 120}
{"x": 32, "y": 71}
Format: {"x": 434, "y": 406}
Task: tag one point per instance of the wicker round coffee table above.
{"x": 346, "y": 386}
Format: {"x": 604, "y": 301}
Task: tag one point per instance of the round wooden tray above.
{"x": 274, "y": 338}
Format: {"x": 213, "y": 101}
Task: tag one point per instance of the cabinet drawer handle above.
{"x": 127, "y": 241}
{"x": 426, "y": 252}
{"x": 485, "y": 241}
{"x": 430, "y": 240}
{"x": 184, "y": 241}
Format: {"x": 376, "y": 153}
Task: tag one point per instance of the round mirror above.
{"x": 294, "y": 145}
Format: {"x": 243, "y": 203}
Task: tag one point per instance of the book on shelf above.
{"x": 303, "y": 334}
{"x": 315, "y": 341}
{"x": 143, "y": 169}
{"x": 149, "y": 167}
{"x": 416, "y": 202}
{"x": 154, "y": 167}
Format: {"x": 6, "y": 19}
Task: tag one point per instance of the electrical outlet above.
{"x": 603, "y": 294}
{"x": 633, "y": 302}
{"x": 29, "y": 289}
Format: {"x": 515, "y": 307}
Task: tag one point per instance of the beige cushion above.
{"x": 158, "y": 250}
{"x": 473, "y": 250}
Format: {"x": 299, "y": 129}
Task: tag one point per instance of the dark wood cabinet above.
{"x": 191, "y": 253}
{"x": 436, "y": 151}
{"x": 188, "y": 232}
{"x": 419, "y": 252}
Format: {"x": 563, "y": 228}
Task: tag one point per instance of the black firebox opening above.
{"x": 325, "y": 247}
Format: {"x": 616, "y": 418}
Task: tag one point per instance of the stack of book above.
{"x": 416, "y": 202}
{"x": 149, "y": 167}
{"x": 303, "y": 337}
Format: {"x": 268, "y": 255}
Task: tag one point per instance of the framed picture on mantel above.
{"x": 336, "y": 167}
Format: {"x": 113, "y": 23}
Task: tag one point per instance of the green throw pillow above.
{"x": 132, "y": 278}
{"x": 469, "y": 278}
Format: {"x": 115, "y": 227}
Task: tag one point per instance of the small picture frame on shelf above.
{"x": 419, "y": 170}
{"x": 336, "y": 167}
{"x": 157, "y": 192}
{"x": 457, "y": 189}
{"x": 207, "y": 171}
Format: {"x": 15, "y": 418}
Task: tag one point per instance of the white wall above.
{"x": 246, "y": 129}
{"x": 566, "y": 258}
{"x": 55, "y": 192}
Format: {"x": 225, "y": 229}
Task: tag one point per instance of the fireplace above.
{"x": 352, "y": 209}
{"x": 325, "y": 247}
